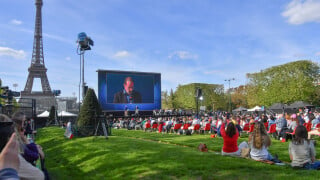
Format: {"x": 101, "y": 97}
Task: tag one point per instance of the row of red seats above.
{"x": 179, "y": 126}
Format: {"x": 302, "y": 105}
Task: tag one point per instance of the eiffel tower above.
{"x": 37, "y": 69}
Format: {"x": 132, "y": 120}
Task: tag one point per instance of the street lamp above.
{"x": 198, "y": 96}
{"x": 231, "y": 79}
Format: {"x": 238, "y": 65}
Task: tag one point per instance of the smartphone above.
{"x": 6, "y": 130}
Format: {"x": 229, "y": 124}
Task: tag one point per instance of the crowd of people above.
{"x": 298, "y": 127}
{"x": 19, "y": 153}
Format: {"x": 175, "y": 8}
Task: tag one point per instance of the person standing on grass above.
{"x": 230, "y": 140}
{"x": 301, "y": 150}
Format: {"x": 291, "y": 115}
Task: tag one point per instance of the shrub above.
{"x": 89, "y": 110}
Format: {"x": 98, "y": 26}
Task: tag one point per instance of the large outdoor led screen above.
{"x": 118, "y": 90}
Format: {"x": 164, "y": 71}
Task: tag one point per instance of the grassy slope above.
{"x": 139, "y": 155}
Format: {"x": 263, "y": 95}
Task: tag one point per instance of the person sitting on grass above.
{"x": 301, "y": 150}
{"x": 315, "y": 121}
{"x": 281, "y": 125}
{"x": 271, "y": 121}
{"x": 236, "y": 122}
{"x": 291, "y": 127}
{"x": 230, "y": 140}
{"x": 259, "y": 141}
{"x": 219, "y": 123}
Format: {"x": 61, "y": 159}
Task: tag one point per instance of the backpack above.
{"x": 202, "y": 147}
{"x": 188, "y": 132}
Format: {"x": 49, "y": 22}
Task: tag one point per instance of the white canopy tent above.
{"x": 66, "y": 114}
{"x": 257, "y": 108}
{"x": 44, "y": 114}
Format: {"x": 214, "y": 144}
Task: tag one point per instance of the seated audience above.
{"x": 259, "y": 141}
{"x": 315, "y": 122}
{"x": 301, "y": 150}
{"x": 281, "y": 125}
{"x": 230, "y": 140}
{"x": 271, "y": 121}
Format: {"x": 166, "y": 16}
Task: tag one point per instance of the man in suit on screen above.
{"x": 128, "y": 94}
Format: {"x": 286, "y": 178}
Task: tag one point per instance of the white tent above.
{"x": 257, "y": 108}
{"x": 44, "y": 114}
{"x": 66, "y": 114}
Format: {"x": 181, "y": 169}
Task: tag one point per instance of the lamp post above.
{"x": 231, "y": 79}
{"x": 198, "y": 96}
{"x": 201, "y": 108}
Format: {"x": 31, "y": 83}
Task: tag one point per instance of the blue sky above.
{"x": 186, "y": 41}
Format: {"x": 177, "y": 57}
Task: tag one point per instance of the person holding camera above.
{"x": 25, "y": 169}
{"x": 9, "y": 160}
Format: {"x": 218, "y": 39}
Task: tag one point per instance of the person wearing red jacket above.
{"x": 230, "y": 140}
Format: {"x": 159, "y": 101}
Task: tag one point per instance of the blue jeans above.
{"x": 218, "y": 131}
{"x": 270, "y": 158}
{"x": 310, "y": 166}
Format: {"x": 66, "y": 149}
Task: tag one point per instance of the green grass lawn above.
{"x": 149, "y": 155}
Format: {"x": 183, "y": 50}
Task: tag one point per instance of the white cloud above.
{"x": 302, "y": 11}
{"x": 17, "y": 54}
{"x": 68, "y": 58}
{"x": 15, "y": 22}
{"x": 182, "y": 55}
{"x": 121, "y": 54}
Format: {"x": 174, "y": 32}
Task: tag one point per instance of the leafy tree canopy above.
{"x": 294, "y": 81}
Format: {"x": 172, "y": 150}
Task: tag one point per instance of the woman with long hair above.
{"x": 301, "y": 150}
{"x": 230, "y": 140}
{"x": 259, "y": 141}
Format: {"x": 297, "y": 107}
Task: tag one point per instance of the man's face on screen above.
{"x": 128, "y": 86}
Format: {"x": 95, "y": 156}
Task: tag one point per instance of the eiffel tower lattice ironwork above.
{"x": 37, "y": 68}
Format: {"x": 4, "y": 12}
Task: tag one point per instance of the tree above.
{"x": 171, "y": 102}
{"x": 213, "y": 95}
{"x": 294, "y": 81}
{"x": 164, "y": 99}
{"x": 239, "y": 96}
{"x": 89, "y": 112}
